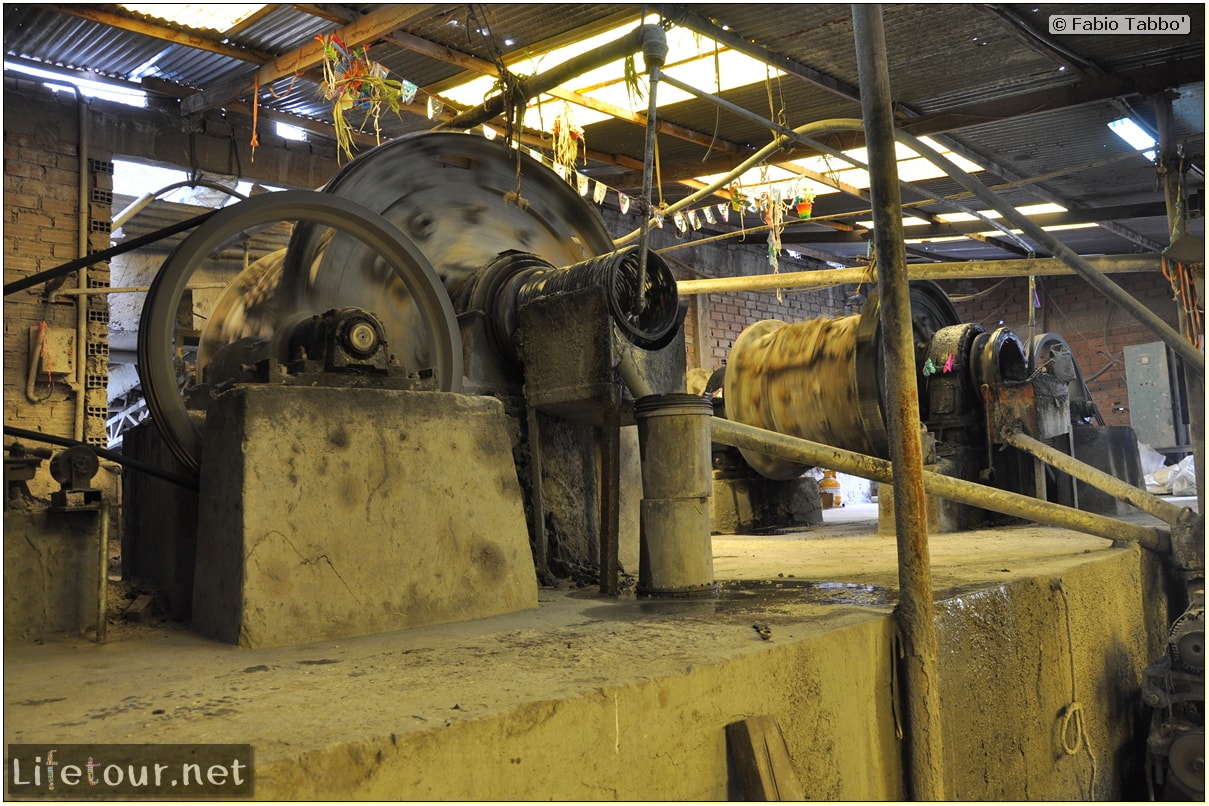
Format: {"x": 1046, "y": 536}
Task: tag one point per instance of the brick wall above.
{"x": 41, "y": 231}
{"x": 41, "y": 190}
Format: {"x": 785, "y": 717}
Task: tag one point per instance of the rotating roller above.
{"x": 822, "y": 379}
{"x": 796, "y": 379}
{"x": 461, "y": 200}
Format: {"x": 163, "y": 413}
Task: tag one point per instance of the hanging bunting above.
{"x": 948, "y": 364}
{"x": 581, "y": 183}
{"x": 737, "y": 200}
{"x": 598, "y": 192}
{"x": 624, "y": 202}
{"x": 435, "y": 107}
{"x": 561, "y": 170}
{"x": 724, "y": 211}
{"x": 694, "y": 220}
{"x": 659, "y": 215}
{"x": 708, "y": 212}
{"x": 408, "y": 91}
{"x": 352, "y": 81}
{"x": 681, "y": 224}
{"x": 929, "y": 368}
{"x": 489, "y": 132}
{"x": 803, "y": 204}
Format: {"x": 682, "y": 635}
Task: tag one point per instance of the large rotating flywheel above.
{"x": 157, "y": 331}
{"x": 462, "y": 200}
{"x": 390, "y": 233}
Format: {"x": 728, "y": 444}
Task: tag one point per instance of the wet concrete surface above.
{"x": 162, "y": 683}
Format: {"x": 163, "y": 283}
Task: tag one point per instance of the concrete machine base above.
{"x": 327, "y": 513}
{"x": 599, "y": 698}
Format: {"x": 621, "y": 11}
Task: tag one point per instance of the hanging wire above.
{"x": 514, "y": 101}
{"x": 717, "y": 109}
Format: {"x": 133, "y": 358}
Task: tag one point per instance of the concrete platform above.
{"x": 593, "y": 698}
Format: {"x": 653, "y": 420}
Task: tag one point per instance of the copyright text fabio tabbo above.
{"x": 1120, "y": 24}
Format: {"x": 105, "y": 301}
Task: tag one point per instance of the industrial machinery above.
{"x": 437, "y": 263}
{"x": 1174, "y": 688}
{"x": 980, "y": 394}
{"x": 400, "y": 235}
{"x": 445, "y": 262}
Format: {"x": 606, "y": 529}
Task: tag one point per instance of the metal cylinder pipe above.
{"x": 536, "y": 85}
{"x": 655, "y": 52}
{"x": 82, "y": 303}
{"x": 822, "y": 278}
{"x": 1191, "y": 355}
{"x": 675, "y": 549}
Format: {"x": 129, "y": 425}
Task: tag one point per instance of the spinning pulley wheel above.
{"x": 157, "y": 330}
{"x": 390, "y": 233}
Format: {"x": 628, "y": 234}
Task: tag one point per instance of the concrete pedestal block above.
{"x": 755, "y": 504}
{"x": 329, "y": 513}
{"x": 51, "y": 573}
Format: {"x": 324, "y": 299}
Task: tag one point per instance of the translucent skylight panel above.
{"x": 220, "y": 17}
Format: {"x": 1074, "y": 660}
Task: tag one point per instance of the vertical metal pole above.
{"x": 654, "y": 54}
{"x": 541, "y": 551}
{"x": 1195, "y": 383}
{"x": 705, "y": 358}
{"x": 103, "y": 581}
{"x": 610, "y": 499}
{"x": 914, "y": 614}
{"x": 82, "y": 227}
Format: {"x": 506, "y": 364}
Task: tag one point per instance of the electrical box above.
{"x": 1158, "y": 404}
{"x": 57, "y": 355}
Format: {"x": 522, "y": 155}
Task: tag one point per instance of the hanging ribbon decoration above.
{"x": 351, "y": 80}
{"x": 255, "y": 114}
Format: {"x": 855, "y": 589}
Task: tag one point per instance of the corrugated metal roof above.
{"x": 941, "y": 57}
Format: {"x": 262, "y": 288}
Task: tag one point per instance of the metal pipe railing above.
{"x": 1165, "y": 511}
{"x": 815, "y": 454}
{"x": 823, "y": 148}
{"x": 1192, "y": 356}
{"x": 822, "y": 278}
{"x": 105, "y": 254}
